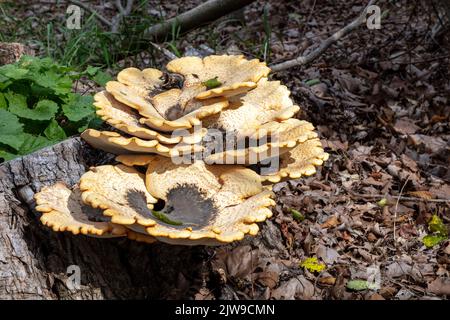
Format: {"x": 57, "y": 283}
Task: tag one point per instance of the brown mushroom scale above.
{"x": 199, "y": 145}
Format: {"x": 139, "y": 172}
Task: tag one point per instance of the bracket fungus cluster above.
{"x": 198, "y": 147}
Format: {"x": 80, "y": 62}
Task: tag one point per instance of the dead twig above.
{"x": 396, "y": 206}
{"x": 169, "y": 55}
{"x": 304, "y": 60}
{"x": 400, "y": 198}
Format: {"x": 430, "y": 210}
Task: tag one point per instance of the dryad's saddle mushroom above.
{"x": 198, "y": 147}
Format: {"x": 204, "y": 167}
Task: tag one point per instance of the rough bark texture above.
{"x": 34, "y": 259}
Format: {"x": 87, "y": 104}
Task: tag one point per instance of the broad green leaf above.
{"x": 52, "y": 80}
{"x": 16, "y": 100}
{"x": 91, "y": 121}
{"x": 313, "y": 265}
{"x": 78, "y": 107}
{"x": 13, "y": 71}
{"x": 10, "y": 130}
{"x": 33, "y": 143}
{"x": 101, "y": 78}
{"x": 3, "y": 104}
{"x": 6, "y": 156}
{"x": 90, "y": 70}
{"x": 54, "y": 132}
{"x": 357, "y": 285}
{"x": 44, "y": 110}
{"x": 14, "y": 141}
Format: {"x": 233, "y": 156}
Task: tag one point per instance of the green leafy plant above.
{"x": 37, "y": 106}
{"x": 438, "y": 231}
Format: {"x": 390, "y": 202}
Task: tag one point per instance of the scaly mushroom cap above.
{"x": 113, "y": 142}
{"x": 126, "y": 120}
{"x": 63, "y": 210}
{"x": 235, "y": 74}
{"x": 269, "y": 101}
{"x": 270, "y": 140}
{"x": 208, "y": 205}
{"x": 164, "y": 111}
{"x": 298, "y": 162}
{"x": 121, "y": 192}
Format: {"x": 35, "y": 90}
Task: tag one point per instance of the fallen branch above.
{"x": 400, "y": 198}
{"x": 304, "y": 60}
{"x": 209, "y": 11}
{"x": 167, "y": 53}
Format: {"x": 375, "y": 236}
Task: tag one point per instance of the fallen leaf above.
{"x": 432, "y": 144}
{"x": 376, "y": 296}
{"x": 330, "y": 223}
{"x": 405, "y": 126}
{"x": 357, "y": 285}
{"x": 421, "y": 194}
{"x": 328, "y": 255}
{"x": 296, "y": 287}
{"x": 440, "y": 286}
{"x": 327, "y": 280}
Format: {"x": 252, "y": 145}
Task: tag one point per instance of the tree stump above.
{"x": 34, "y": 260}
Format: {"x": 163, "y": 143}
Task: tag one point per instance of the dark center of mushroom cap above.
{"x": 186, "y": 206}
{"x": 189, "y": 205}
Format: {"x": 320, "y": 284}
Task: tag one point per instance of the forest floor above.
{"x": 380, "y": 102}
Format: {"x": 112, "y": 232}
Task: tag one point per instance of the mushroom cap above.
{"x": 115, "y": 143}
{"x": 270, "y": 140}
{"x": 126, "y": 120}
{"x": 169, "y": 110}
{"x": 121, "y": 192}
{"x": 300, "y": 161}
{"x": 269, "y": 101}
{"x": 212, "y": 205}
{"x": 184, "y": 113}
{"x": 147, "y": 79}
{"x": 216, "y": 204}
{"x": 63, "y": 210}
{"x": 231, "y": 223}
{"x": 235, "y": 73}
